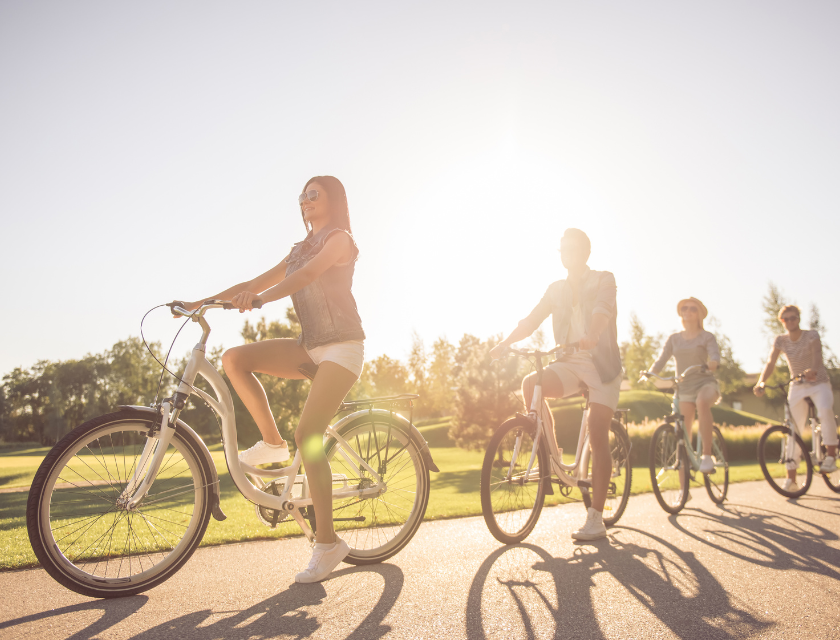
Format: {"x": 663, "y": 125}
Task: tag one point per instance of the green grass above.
{"x": 454, "y": 493}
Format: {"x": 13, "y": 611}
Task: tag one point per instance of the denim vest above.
{"x": 325, "y": 307}
{"x": 597, "y": 295}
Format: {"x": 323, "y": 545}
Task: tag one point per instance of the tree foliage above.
{"x": 638, "y": 353}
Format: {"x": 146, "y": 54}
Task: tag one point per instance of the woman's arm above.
{"x": 664, "y": 356}
{"x": 262, "y": 282}
{"x": 337, "y": 248}
{"x": 713, "y": 350}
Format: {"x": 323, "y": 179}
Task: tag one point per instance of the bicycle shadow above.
{"x": 763, "y": 537}
{"x": 284, "y": 613}
{"x": 554, "y": 596}
{"x": 114, "y": 611}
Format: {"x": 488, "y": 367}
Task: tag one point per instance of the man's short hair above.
{"x": 580, "y": 237}
{"x": 789, "y": 307}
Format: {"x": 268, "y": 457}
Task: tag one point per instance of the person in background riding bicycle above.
{"x": 694, "y": 345}
{"x": 583, "y": 311}
{"x": 803, "y": 351}
{"x": 317, "y": 274}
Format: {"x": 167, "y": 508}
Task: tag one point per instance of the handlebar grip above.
{"x": 176, "y": 303}
{"x": 256, "y": 303}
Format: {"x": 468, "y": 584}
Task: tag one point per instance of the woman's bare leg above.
{"x": 329, "y": 388}
{"x": 280, "y": 358}
{"x": 705, "y": 399}
{"x": 551, "y": 388}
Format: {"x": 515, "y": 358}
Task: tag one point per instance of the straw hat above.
{"x": 702, "y": 310}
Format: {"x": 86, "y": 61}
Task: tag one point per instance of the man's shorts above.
{"x": 577, "y": 372}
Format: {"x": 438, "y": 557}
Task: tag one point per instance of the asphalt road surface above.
{"x": 758, "y": 567}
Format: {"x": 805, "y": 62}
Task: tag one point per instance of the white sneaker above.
{"x": 264, "y": 453}
{"x": 325, "y": 558}
{"x": 707, "y": 464}
{"x": 790, "y": 485}
{"x": 829, "y": 465}
{"x": 593, "y": 528}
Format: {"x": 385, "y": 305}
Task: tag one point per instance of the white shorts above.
{"x": 578, "y": 371}
{"x": 350, "y": 355}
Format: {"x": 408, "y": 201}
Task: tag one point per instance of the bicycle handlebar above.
{"x": 800, "y": 377}
{"x": 680, "y": 378}
{"x": 565, "y": 348}
{"x": 177, "y": 307}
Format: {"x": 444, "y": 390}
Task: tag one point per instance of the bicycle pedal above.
{"x": 584, "y": 484}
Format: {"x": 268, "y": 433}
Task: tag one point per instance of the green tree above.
{"x": 442, "y": 378}
{"x": 730, "y": 374}
{"x": 639, "y": 353}
{"x": 832, "y": 363}
{"x": 486, "y": 391}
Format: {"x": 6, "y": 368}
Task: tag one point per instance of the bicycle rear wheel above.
{"x": 511, "y": 502}
{"x": 378, "y": 527}
{"x": 669, "y": 469}
{"x": 717, "y": 483}
{"x": 621, "y": 477}
{"x": 82, "y": 534}
{"x": 778, "y": 455}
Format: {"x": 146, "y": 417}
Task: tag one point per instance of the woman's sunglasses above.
{"x": 310, "y": 195}
{"x": 789, "y": 318}
{"x": 687, "y": 308}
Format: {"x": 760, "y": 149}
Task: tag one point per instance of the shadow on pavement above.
{"x": 114, "y": 612}
{"x": 763, "y": 537}
{"x": 521, "y": 591}
{"x": 282, "y": 614}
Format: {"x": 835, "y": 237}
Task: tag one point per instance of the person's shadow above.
{"x": 283, "y": 613}
{"x": 523, "y": 590}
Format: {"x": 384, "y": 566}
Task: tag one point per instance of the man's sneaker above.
{"x": 593, "y": 528}
{"x": 264, "y": 453}
{"x": 707, "y": 464}
{"x": 325, "y": 558}
{"x": 790, "y": 485}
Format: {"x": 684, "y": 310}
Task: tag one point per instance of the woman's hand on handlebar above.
{"x": 758, "y": 389}
{"x": 244, "y": 301}
{"x": 712, "y": 365}
{"x": 499, "y": 350}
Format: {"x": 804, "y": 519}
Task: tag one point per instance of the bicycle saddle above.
{"x": 309, "y": 370}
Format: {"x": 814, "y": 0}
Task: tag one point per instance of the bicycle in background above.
{"x": 122, "y": 502}
{"x": 673, "y": 460}
{"x": 523, "y": 461}
{"x": 782, "y": 452}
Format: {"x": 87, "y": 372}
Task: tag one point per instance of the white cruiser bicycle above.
{"x": 121, "y": 502}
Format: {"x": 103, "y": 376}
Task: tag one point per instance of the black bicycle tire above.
{"x": 621, "y": 434}
{"x": 517, "y": 422}
{"x": 34, "y": 502}
{"x": 683, "y": 456}
{"x": 407, "y": 534}
{"x": 805, "y": 455}
{"x": 707, "y": 480}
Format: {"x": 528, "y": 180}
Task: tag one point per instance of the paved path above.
{"x": 760, "y": 567}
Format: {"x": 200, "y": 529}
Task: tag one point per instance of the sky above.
{"x": 154, "y": 151}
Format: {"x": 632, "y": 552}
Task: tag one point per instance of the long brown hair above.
{"x": 339, "y": 211}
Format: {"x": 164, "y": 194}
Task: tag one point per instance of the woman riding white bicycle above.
{"x": 700, "y": 390}
{"x": 318, "y": 275}
{"x": 803, "y": 352}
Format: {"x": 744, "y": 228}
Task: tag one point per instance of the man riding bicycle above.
{"x": 583, "y": 310}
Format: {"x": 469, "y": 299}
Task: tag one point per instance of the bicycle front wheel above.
{"x": 717, "y": 482}
{"x": 621, "y": 477}
{"x": 832, "y": 480}
{"x": 779, "y": 453}
{"x": 511, "y": 497}
{"x": 80, "y": 530}
{"x": 378, "y": 527}
{"x": 669, "y": 469}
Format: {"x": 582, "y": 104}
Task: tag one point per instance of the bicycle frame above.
{"x": 222, "y": 404}
{"x": 558, "y": 467}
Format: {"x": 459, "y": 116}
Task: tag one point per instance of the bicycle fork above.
{"x": 149, "y": 463}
